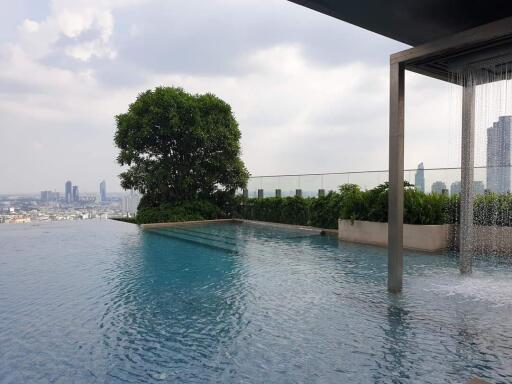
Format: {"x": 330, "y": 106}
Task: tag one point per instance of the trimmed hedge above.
{"x": 493, "y": 209}
{"x": 348, "y": 203}
{"x": 351, "y": 203}
{"x": 184, "y": 211}
{"x": 288, "y": 210}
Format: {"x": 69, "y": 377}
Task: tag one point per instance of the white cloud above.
{"x": 296, "y": 113}
{"x": 29, "y": 26}
{"x": 72, "y": 24}
{"x": 79, "y": 29}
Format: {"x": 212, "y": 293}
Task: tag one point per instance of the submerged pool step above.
{"x": 211, "y": 243}
{"x": 202, "y": 235}
{"x": 202, "y": 232}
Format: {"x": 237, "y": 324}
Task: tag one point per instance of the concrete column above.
{"x": 321, "y": 192}
{"x": 298, "y": 192}
{"x": 467, "y": 177}
{"x": 396, "y": 178}
{"x": 260, "y": 193}
{"x": 278, "y": 193}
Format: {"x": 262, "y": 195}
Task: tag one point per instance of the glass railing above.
{"x": 438, "y": 180}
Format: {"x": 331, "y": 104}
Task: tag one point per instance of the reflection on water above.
{"x": 173, "y": 308}
{"x": 105, "y": 302}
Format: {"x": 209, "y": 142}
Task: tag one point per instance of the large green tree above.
{"x": 179, "y": 147}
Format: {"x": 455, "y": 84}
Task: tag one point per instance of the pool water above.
{"x": 105, "y": 302}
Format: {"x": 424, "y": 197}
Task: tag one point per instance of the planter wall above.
{"x": 430, "y": 238}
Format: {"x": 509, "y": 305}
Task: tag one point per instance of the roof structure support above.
{"x": 483, "y": 52}
{"x": 396, "y": 177}
{"x": 486, "y": 49}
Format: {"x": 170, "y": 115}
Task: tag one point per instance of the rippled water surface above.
{"x": 103, "y": 302}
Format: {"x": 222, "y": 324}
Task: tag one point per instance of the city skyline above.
{"x": 72, "y": 192}
{"x": 499, "y": 143}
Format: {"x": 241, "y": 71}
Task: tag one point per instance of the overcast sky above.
{"x": 310, "y": 92}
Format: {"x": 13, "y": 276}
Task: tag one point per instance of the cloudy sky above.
{"x": 310, "y": 92}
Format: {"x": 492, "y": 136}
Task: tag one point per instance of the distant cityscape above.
{"x": 71, "y": 205}
{"x": 498, "y": 164}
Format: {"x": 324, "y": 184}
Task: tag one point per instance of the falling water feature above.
{"x": 485, "y": 141}
{"x": 471, "y": 59}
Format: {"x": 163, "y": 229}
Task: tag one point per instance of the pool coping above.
{"x": 181, "y": 223}
{"x": 320, "y": 231}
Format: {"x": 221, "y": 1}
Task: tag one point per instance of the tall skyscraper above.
{"x": 419, "y": 178}
{"x": 68, "y": 194}
{"x": 498, "y": 155}
{"x": 103, "y": 191}
{"x": 76, "y": 196}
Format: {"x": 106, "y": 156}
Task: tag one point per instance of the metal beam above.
{"x": 467, "y": 176}
{"x": 485, "y": 49}
{"x": 396, "y": 178}
{"x": 465, "y": 40}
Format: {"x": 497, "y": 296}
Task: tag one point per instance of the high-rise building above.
{"x": 76, "y": 195}
{"x": 498, "y": 155}
{"x": 478, "y": 188}
{"x": 45, "y": 196}
{"x": 130, "y": 203}
{"x": 439, "y": 187}
{"x": 68, "y": 194}
{"x": 103, "y": 191}
{"x": 455, "y": 188}
{"x": 419, "y": 178}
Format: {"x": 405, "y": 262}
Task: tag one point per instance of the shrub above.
{"x": 420, "y": 208}
{"x": 493, "y": 209}
{"x": 324, "y": 211}
{"x": 289, "y": 210}
{"x": 184, "y": 211}
{"x": 351, "y": 203}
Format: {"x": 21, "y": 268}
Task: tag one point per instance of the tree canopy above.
{"x": 179, "y": 147}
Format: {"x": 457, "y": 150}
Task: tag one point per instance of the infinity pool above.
{"x": 104, "y": 302}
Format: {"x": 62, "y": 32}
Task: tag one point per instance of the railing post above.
{"x": 396, "y": 178}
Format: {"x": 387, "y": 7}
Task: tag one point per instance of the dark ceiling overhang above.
{"x": 413, "y": 22}
{"x": 478, "y": 55}
{"x": 451, "y": 39}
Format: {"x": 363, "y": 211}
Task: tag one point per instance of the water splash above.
{"x": 484, "y": 95}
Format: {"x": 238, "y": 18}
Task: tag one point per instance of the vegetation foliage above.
{"x": 351, "y": 203}
{"x": 182, "y": 153}
{"x": 185, "y": 211}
